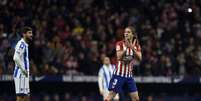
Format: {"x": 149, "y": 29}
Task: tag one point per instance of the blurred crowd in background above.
{"x": 72, "y": 36}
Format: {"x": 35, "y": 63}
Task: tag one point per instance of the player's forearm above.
{"x": 100, "y": 82}
{"x": 138, "y": 53}
{"x": 139, "y": 56}
{"x": 19, "y": 65}
{"x": 17, "y": 61}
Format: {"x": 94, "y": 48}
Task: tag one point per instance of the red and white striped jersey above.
{"x": 122, "y": 69}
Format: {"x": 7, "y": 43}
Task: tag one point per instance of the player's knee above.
{"x": 20, "y": 98}
{"x": 116, "y": 99}
{"x": 108, "y": 99}
{"x": 26, "y": 98}
{"x": 135, "y": 99}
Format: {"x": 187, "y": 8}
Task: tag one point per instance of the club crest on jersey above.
{"x": 21, "y": 45}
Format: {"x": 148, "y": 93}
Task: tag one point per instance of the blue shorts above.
{"x": 120, "y": 84}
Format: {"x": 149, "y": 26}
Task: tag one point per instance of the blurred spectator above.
{"x": 70, "y": 36}
{"x": 56, "y": 97}
{"x": 46, "y": 98}
{"x": 67, "y": 97}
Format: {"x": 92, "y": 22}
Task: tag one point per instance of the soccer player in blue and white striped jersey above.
{"x": 21, "y": 59}
{"x": 104, "y": 76}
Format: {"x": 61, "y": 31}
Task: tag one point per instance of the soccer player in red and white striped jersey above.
{"x": 127, "y": 50}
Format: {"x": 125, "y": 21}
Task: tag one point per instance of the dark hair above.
{"x": 25, "y": 29}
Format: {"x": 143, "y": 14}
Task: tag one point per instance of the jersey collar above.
{"x": 25, "y": 42}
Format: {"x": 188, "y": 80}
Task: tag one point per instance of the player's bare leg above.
{"x": 20, "y": 98}
{"x": 134, "y": 96}
{"x": 116, "y": 98}
{"x": 26, "y": 98}
{"x": 110, "y": 96}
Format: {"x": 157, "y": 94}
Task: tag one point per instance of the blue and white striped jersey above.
{"x": 21, "y": 58}
{"x": 106, "y": 73}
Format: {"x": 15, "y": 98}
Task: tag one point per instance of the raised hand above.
{"x": 133, "y": 45}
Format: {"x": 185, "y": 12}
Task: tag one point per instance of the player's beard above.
{"x": 29, "y": 38}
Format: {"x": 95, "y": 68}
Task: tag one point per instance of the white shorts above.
{"x": 22, "y": 86}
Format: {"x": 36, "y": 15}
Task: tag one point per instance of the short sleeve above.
{"x": 119, "y": 46}
{"x": 100, "y": 73}
{"x": 20, "y": 47}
